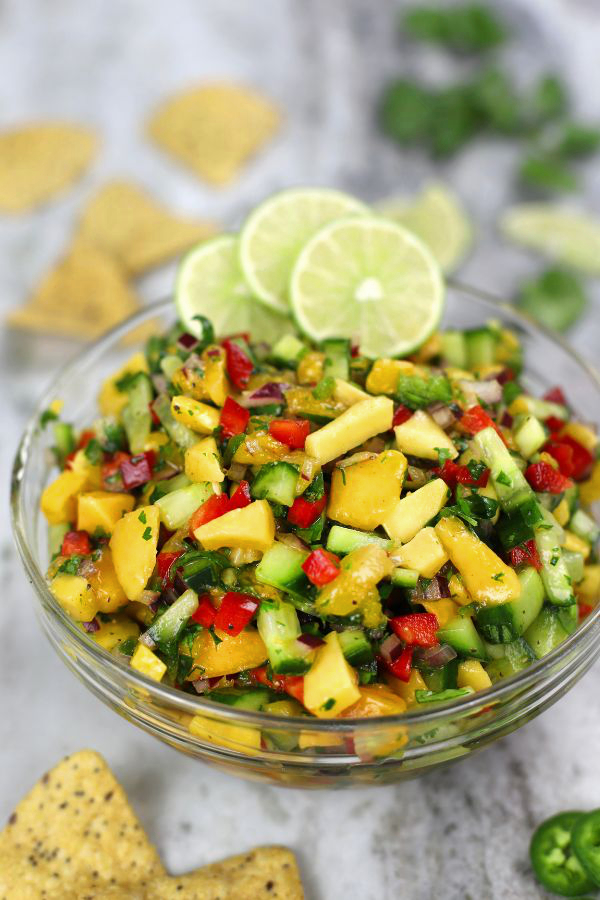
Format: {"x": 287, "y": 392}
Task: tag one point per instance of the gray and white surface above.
{"x": 459, "y": 834}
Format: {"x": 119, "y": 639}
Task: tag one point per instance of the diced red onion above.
{"x": 269, "y": 393}
{"x": 201, "y": 685}
{"x": 361, "y": 456}
{"x": 416, "y": 476}
{"x": 391, "y": 648}
{"x": 147, "y": 640}
{"x": 310, "y": 640}
{"x": 507, "y": 420}
{"x": 435, "y": 656}
{"x": 236, "y": 471}
{"x": 442, "y": 415}
{"x": 86, "y": 567}
{"x": 292, "y": 540}
{"x": 160, "y": 383}
{"x": 91, "y": 627}
{"x": 148, "y": 597}
{"x": 436, "y": 589}
{"x": 168, "y": 596}
{"x": 374, "y": 445}
{"x": 488, "y": 391}
{"x": 187, "y": 341}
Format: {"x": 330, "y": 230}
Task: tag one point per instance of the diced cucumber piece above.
{"x": 571, "y": 495}
{"x": 182, "y": 435}
{"x": 406, "y": 578}
{"x": 569, "y": 617}
{"x": 168, "y": 485}
{"x": 279, "y": 628}
{"x": 504, "y": 622}
{"x": 461, "y": 634}
{"x": 443, "y": 678}
{"x": 288, "y": 350}
{"x": 64, "y": 441}
{"x": 201, "y": 569}
{"x": 281, "y": 567}
{"x": 481, "y": 347}
{"x": 530, "y": 435}
{"x": 337, "y": 358}
{"x": 544, "y": 409}
{"x": 546, "y": 633}
{"x": 442, "y": 696}
{"x": 242, "y": 698}
{"x": 165, "y": 631}
{"x": 514, "y": 492}
{"x": 575, "y": 564}
{"x": 356, "y": 646}
{"x": 516, "y": 656}
{"x": 584, "y": 527}
{"x": 169, "y": 365}
{"x": 56, "y": 534}
{"x": 276, "y": 481}
{"x": 137, "y": 420}
{"x": 494, "y": 651}
{"x": 344, "y": 540}
{"x": 177, "y": 506}
{"x": 555, "y": 575}
{"x": 454, "y": 349}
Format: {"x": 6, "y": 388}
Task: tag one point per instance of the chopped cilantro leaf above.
{"x": 502, "y": 478}
{"x": 417, "y": 393}
{"x": 71, "y": 565}
{"x": 147, "y": 533}
{"x": 47, "y": 416}
{"x": 142, "y": 517}
{"x": 93, "y": 452}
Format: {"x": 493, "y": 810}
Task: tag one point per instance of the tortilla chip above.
{"x": 267, "y": 873}
{"x": 75, "y": 827}
{"x": 214, "y": 129}
{"x": 38, "y": 161}
{"x": 82, "y": 297}
{"x": 128, "y": 224}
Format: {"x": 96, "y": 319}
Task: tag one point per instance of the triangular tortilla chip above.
{"x": 214, "y": 129}
{"x": 82, "y": 297}
{"x": 39, "y": 160}
{"x": 74, "y": 827}
{"x": 127, "y": 223}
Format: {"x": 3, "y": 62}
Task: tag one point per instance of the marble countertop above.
{"x": 463, "y": 833}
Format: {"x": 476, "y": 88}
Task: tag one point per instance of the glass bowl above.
{"x": 297, "y": 751}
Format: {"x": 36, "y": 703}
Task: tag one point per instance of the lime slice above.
{"x": 566, "y": 235}
{"x": 437, "y": 217}
{"x": 367, "y": 278}
{"x": 275, "y": 233}
{"x": 210, "y": 283}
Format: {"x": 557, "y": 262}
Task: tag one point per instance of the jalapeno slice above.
{"x": 555, "y": 865}
{"x": 585, "y": 841}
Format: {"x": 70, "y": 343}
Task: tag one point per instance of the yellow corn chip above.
{"x": 214, "y": 129}
{"x": 82, "y": 297}
{"x": 267, "y": 873}
{"x": 75, "y": 827}
{"x": 38, "y": 161}
{"x": 128, "y": 224}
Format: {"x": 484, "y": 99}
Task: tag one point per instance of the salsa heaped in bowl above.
{"x": 297, "y": 529}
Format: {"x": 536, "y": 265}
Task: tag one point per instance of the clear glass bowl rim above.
{"x": 172, "y": 697}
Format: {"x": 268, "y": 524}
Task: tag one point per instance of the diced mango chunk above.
{"x": 133, "y": 544}
{"x": 112, "y": 633}
{"x": 472, "y": 674}
{"x": 353, "y": 590}
{"x": 458, "y": 591}
{"x": 589, "y": 588}
{"x": 232, "y": 654}
{"x": 75, "y": 595}
{"x": 375, "y": 700}
{"x": 421, "y": 436}
{"x": 111, "y": 400}
{"x": 355, "y": 425}
{"x": 93, "y": 474}
{"x": 102, "y": 510}
{"x": 197, "y": 416}
{"x": 148, "y": 663}
{"x": 252, "y": 528}
{"x": 363, "y": 495}
{"x": 58, "y": 501}
{"x": 105, "y": 584}
{"x": 243, "y": 738}
{"x": 384, "y": 375}
{"x": 414, "y": 510}
{"x": 424, "y": 553}
{"x": 347, "y": 393}
{"x": 330, "y": 685}
{"x": 576, "y": 544}
{"x": 589, "y": 491}
{"x": 444, "y": 610}
{"x": 562, "y": 513}
{"x": 203, "y": 462}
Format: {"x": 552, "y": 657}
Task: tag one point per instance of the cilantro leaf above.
{"x": 468, "y": 28}
{"x": 417, "y": 392}
{"x": 556, "y": 298}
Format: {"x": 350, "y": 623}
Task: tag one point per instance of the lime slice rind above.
{"x": 367, "y": 278}
{"x": 565, "y": 235}
{"x": 275, "y": 232}
{"x": 210, "y": 283}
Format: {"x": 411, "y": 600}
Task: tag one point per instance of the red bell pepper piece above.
{"x": 292, "y": 432}
{"x": 401, "y": 414}
{"x": 401, "y": 667}
{"x": 304, "y": 512}
{"x": 137, "y": 470}
{"x": 238, "y": 363}
{"x": 235, "y": 612}
{"x": 285, "y": 684}
{"x": 453, "y": 473}
{"x": 525, "y": 554}
{"x": 572, "y": 457}
{"x": 556, "y": 395}
{"x": 475, "y": 419}
{"x": 153, "y": 415}
{"x": 206, "y": 613}
{"x": 554, "y": 424}
{"x": 241, "y": 496}
{"x": 584, "y": 609}
{"x": 543, "y": 477}
{"x": 164, "y": 561}
{"x": 215, "y": 506}
{"x": 76, "y": 543}
{"x": 416, "y": 629}
{"x": 321, "y": 567}
{"x": 84, "y": 438}
{"x": 234, "y": 418}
